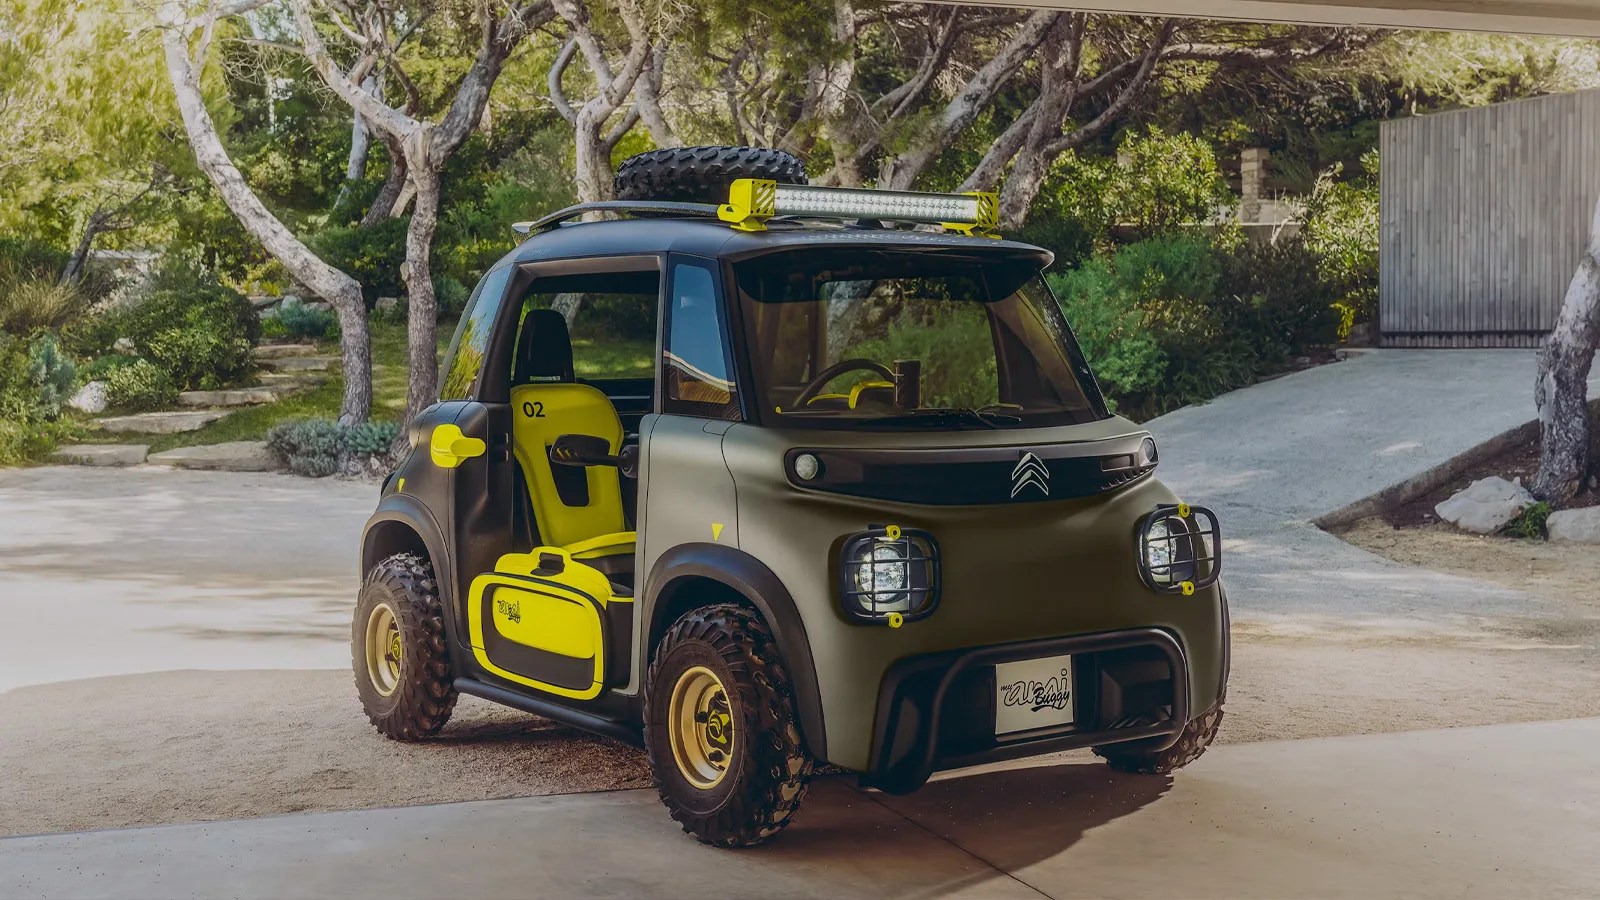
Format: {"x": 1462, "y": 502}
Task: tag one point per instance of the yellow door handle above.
{"x": 449, "y": 448}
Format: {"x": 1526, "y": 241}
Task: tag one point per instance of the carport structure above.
{"x": 1577, "y": 18}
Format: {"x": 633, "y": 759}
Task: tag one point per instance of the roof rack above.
{"x": 706, "y": 210}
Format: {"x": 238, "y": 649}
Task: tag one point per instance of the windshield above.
{"x": 911, "y": 340}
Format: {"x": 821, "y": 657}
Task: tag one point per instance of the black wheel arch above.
{"x": 402, "y": 524}
{"x": 686, "y": 565}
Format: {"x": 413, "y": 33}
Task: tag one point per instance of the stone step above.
{"x": 161, "y": 422}
{"x": 101, "y": 454}
{"x": 302, "y": 363}
{"x": 233, "y": 456}
{"x": 233, "y": 397}
{"x": 281, "y": 381}
{"x": 281, "y": 351}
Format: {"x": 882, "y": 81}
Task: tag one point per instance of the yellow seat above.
{"x": 577, "y": 509}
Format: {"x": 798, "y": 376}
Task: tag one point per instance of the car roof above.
{"x": 717, "y": 240}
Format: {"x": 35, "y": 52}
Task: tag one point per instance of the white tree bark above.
{"x": 591, "y": 143}
{"x": 1561, "y": 392}
{"x": 334, "y": 286}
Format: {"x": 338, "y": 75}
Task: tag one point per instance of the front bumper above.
{"x": 937, "y": 711}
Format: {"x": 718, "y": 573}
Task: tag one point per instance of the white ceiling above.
{"x": 1570, "y": 17}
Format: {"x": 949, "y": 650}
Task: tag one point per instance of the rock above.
{"x": 91, "y": 398}
{"x": 124, "y": 346}
{"x": 233, "y": 456}
{"x": 101, "y": 454}
{"x": 1578, "y": 526}
{"x": 263, "y": 302}
{"x": 161, "y": 422}
{"x": 302, "y": 363}
{"x": 1486, "y": 505}
{"x": 280, "y": 351}
{"x": 237, "y": 397}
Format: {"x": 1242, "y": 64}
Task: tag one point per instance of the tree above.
{"x": 374, "y": 32}
{"x": 186, "y": 41}
{"x": 1561, "y": 391}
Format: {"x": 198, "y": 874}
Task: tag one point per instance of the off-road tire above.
{"x": 770, "y": 768}
{"x": 425, "y": 695}
{"x": 702, "y": 174}
{"x": 1190, "y": 746}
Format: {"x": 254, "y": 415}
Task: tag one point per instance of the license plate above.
{"x": 1033, "y": 693}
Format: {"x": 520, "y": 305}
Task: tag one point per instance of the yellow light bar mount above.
{"x": 752, "y": 201}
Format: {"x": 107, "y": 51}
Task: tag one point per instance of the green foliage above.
{"x": 302, "y": 320}
{"x": 451, "y": 297}
{"x": 1530, "y": 523}
{"x": 22, "y": 442}
{"x": 52, "y": 373}
{"x": 1161, "y": 182}
{"x": 1179, "y": 319}
{"x": 31, "y": 304}
{"x": 200, "y": 333}
{"x": 22, "y": 257}
{"x": 102, "y": 366}
{"x": 315, "y": 448}
{"x": 372, "y": 256}
{"x": 954, "y": 343}
{"x": 138, "y": 386}
{"x": 1341, "y": 231}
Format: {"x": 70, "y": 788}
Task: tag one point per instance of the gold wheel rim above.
{"x": 383, "y": 650}
{"x": 700, "y": 724}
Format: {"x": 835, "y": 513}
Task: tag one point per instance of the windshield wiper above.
{"x": 952, "y": 413}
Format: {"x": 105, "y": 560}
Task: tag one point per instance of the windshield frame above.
{"x": 759, "y": 411}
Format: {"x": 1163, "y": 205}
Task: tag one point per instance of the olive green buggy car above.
{"x": 761, "y": 476}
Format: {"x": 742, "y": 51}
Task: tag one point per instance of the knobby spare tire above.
{"x": 702, "y": 174}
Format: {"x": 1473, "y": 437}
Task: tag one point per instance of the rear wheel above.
{"x": 397, "y": 648}
{"x": 702, "y": 174}
{"x": 720, "y": 729}
{"x": 1190, "y": 746}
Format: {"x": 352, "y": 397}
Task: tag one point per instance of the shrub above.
{"x": 32, "y": 304}
{"x": 26, "y": 258}
{"x": 372, "y": 256}
{"x": 1530, "y": 523}
{"x": 104, "y": 365}
{"x": 317, "y": 448}
{"x": 451, "y": 297}
{"x": 1126, "y": 358}
{"x": 52, "y": 374}
{"x": 954, "y": 344}
{"x": 24, "y": 441}
{"x": 302, "y": 320}
{"x": 200, "y": 333}
{"x": 1341, "y": 230}
{"x": 139, "y": 385}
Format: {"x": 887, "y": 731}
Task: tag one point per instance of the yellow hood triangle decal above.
{"x": 716, "y": 531}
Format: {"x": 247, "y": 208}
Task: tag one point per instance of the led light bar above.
{"x": 752, "y": 201}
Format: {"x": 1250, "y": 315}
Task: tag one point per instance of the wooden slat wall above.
{"x": 1484, "y": 215}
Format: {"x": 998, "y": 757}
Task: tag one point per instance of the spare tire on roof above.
{"x": 702, "y": 174}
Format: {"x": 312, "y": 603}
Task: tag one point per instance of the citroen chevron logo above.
{"x": 1030, "y": 471}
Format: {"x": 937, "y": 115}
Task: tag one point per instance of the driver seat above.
{"x": 577, "y": 509}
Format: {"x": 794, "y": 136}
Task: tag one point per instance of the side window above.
{"x": 611, "y": 327}
{"x": 698, "y": 371}
{"x": 465, "y": 356}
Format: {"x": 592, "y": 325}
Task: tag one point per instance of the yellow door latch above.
{"x": 449, "y": 448}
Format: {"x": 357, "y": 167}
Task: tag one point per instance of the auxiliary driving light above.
{"x": 752, "y": 201}
{"x": 889, "y": 575}
{"x": 1179, "y": 549}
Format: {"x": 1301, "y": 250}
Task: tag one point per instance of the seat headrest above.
{"x": 544, "y": 350}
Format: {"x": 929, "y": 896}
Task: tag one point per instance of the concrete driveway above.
{"x": 1503, "y": 811}
{"x": 1274, "y": 456}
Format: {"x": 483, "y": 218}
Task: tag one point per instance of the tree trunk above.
{"x": 338, "y": 288}
{"x": 355, "y": 167}
{"x": 73, "y": 273}
{"x": 394, "y": 184}
{"x": 1561, "y": 392}
{"x": 422, "y": 340}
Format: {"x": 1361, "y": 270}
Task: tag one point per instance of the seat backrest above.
{"x": 570, "y": 504}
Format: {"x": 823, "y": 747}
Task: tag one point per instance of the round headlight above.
{"x": 1148, "y": 448}
{"x": 1168, "y": 555}
{"x": 882, "y": 574}
{"x": 806, "y": 466}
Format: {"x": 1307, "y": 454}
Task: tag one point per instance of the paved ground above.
{"x": 1510, "y": 810}
{"x": 151, "y": 568}
{"x": 1272, "y": 457}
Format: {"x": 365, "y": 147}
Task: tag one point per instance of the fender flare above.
{"x": 381, "y": 534}
{"x": 755, "y": 582}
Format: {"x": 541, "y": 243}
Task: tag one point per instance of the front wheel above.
{"x": 720, "y": 729}
{"x": 1191, "y": 744}
{"x": 398, "y": 650}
